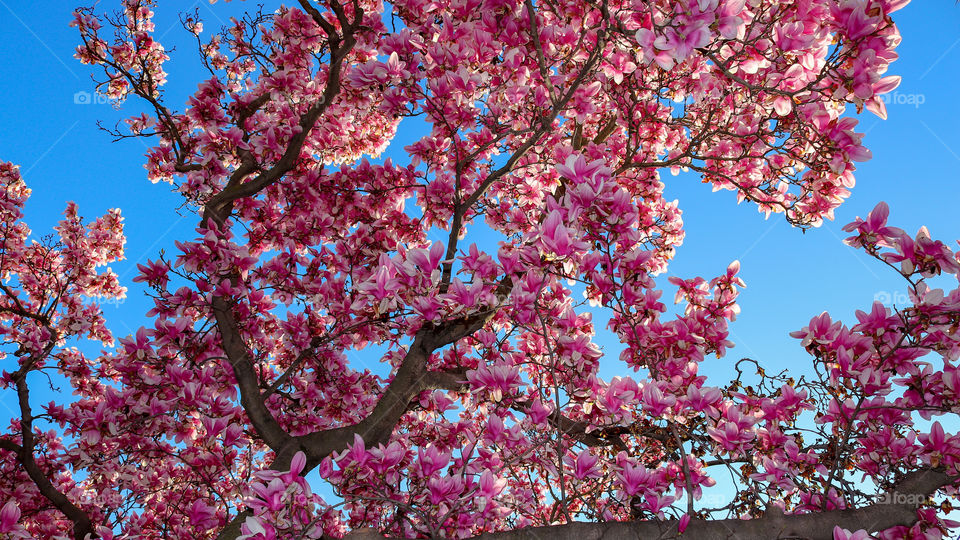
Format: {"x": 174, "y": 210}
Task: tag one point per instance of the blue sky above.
{"x": 50, "y": 119}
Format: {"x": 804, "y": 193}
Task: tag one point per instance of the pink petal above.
{"x": 877, "y": 107}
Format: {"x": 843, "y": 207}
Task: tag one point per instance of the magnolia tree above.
{"x": 550, "y": 123}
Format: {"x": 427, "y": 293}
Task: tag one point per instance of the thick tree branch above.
{"x": 816, "y": 526}
{"x": 219, "y": 209}
{"x": 220, "y": 206}
{"x": 445, "y": 380}
{"x": 82, "y": 525}
{"x": 411, "y": 379}
{"x": 576, "y": 430}
{"x": 9, "y": 446}
{"x": 243, "y": 371}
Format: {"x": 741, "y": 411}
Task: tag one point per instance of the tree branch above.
{"x": 239, "y": 358}
{"x": 815, "y": 526}
{"x": 82, "y": 526}
{"x": 411, "y": 378}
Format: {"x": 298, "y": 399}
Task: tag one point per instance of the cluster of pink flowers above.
{"x": 423, "y": 332}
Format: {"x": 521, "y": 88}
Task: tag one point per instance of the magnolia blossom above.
{"x": 423, "y": 329}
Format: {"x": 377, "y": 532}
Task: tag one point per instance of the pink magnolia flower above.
{"x": 855, "y": 17}
{"x": 894, "y": 5}
{"x": 9, "y": 517}
{"x": 270, "y": 497}
{"x": 925, "y": 255}
{"x": 786, "y": 405}
{"x": 431, "y": 460}
{"x": 355, "y": 454}
{"x": 445, "y": 488}
{"x": 729, "y": 22}
{"x": 559, "y": 239}
{"x": 620, "y": 395}
{"x": 584, "y": 465}
{"x": 703, "y": 399}
{"x": 538, "y": 411}
{"x": 873, "y": 230}
{"x": 655, "y": 401}
{"x": 201, "y": 514}
{"x": 733, "y": 431}
{"x": 876, "y": 104}
{"x": 655, "y": 502}
{"x": 253, "y": 529}
{"x": 822, "y": 329}
{"x": 490, "y": 486}
{"x": 635, "y": 478}
{"x": 427, "y": 261}
{"x": 383, "y": 459}
{"x": 647, "y": 41}
{"x": 578, "y": 169}
{"x": 845, "y": 534}
{"x": 878, "y": 321}
{"x": 849, "y": 141}
{"x": 782, "y": 105}
{"x": 297, "y": 464}
{"x": 498, "y": 379}
{"x": 382, "y": 287}
{"x": 680, "y": 42}
{"x": 937, "y": 445}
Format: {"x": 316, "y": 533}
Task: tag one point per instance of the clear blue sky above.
{"x": 790, "y": 277}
